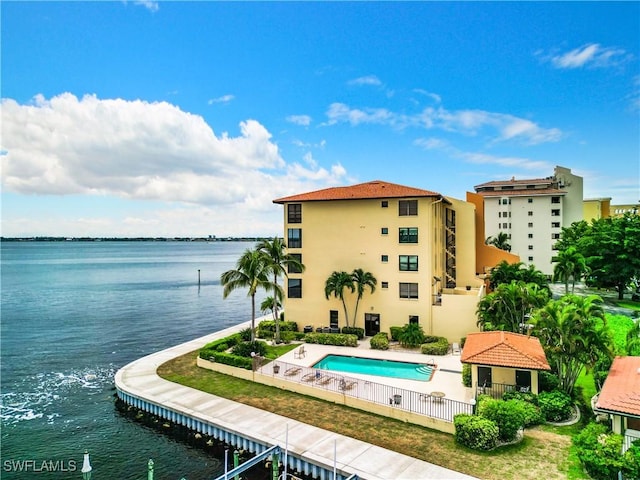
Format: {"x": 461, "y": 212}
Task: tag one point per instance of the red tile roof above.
{"x": 621, "y": 389}
{"x": 525, "y": 192}
{"x": 504, "y": 349}
{"x": 368, "y": 190}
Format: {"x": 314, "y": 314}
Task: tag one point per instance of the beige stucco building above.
{"x": 418, "y": 244}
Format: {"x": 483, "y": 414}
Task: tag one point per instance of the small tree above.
{"x": 411, "y": 335}
{"x": 501, "y": 241}
{"x": 570, "y": 265}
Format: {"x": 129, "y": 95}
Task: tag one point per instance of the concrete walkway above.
{"x": 370, "y": 462}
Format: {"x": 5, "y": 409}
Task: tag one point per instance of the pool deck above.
{"x": 140, "y": 379}
{"x": 446, "y": 378}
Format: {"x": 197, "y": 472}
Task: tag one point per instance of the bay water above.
{"x": 72, "y": 314}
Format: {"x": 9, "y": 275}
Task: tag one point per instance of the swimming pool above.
{"x": 371, "y": 366}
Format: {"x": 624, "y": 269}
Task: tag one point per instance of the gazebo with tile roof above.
{"x": 620, "y": 397}
{"x": 502, "y": 361}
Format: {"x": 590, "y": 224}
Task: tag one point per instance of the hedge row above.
{"x": 435, "y": 346}
{"x": 233, "y": 360}
{"x": 339, "y": 339}
{"x": 599, "y": 451}
{"x": 358, "y": 332}
{"x": 219, "y": 345}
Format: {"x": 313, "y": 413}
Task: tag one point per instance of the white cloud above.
{"x": 304, "y": 120}
{"x": 467, "y": 122}
{"x": 431, "y": 143}
{"x": 148, "y": 4}
{"x": 591, "y": 55}
{"x": 339, "y": 113}
{"x": 144, "y": 151}
{"x": 367, "y": 80}
{"x": 223, "y": 99}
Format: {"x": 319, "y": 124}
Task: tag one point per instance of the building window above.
{"x": 531, "y": 259}
{"x": 484, "y": 377}
{"x": 555, "y": 199}
{"x": 384, "y": 258}
{"x": 408, "y": 290}
{"x": 555, "y": 213}
{"x": 529, "y": 200}
{"x": 506, "y": 201}
{"x": 294, "y": 288}
{"x": 555, "y": 224}
{"x": 408, "y": 234}
{"x": 499, "y": 214}
{"x": 384, "y": 203}
{"x": 291, "y": 268}
{"x": 385, "y": 284}
{"x": 505, "y": 225}
{"x": 555, "y": 236}
{"x": 530, "y": 225}
{"x": 530, "y": 235}
{"x": 333, "y": 318}
{"x": 294, "y": 238}
{"x": 384, "y": 230}
{"x": 294, "y": 213}
{"x": 530, "y": 213}
{"x": 408, "y": 263}
{"x": 530, "y": 247}
{"x": 414, "y": 319}
{"x": 407, "y": 207}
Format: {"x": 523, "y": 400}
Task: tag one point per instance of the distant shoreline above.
{"x": 133, "y": 239}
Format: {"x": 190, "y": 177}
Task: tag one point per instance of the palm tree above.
{"x": 510, "y": 305}
{"x": 570, "y": 265}
{"x": 501, "y": 241}
{"x": 270, "y": 304}
{"x": 335, "y": 285}
{"x": 574, "y": 335}
{"x": 252, "y": 272}
{"x": 280, "y": 263}
{"x": 361, "y": 280}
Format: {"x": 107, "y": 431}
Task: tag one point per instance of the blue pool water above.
{"x": 382, "y": 368}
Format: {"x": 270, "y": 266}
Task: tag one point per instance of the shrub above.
{"x": 525, "y": 396}
{"x": 439, "y": 346}
{"x": 531, "y": 413}
{"x": 548, "y": 382}
{"x": 466, "y": 375}
{"x": 632, "y": 460}
{"x": 395, "y": 333}
{"x": 508, "y": 416}
{"x": 601, "y": 370}
{"x": 555, "y": 406}
{"x": 245, "y": 349}
{"x": 380, "y": 341}
{"x": 245, "y": 334}
{"x": 411, "y": 335}
{"x": 599, "y": 451}
{"x": 475, "y": 432}
{"x": 358, "y": 332}
{"x": 287, "y": 336}
{"x": 233, "y": 360}
{"x": 219, "y": 345}
{"x": 267, "y": 328}
{"x": 339, "y": 339}
{"x": 462, "y": 341}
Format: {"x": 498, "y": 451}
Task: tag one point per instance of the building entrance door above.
{"x": 371, "y": 324}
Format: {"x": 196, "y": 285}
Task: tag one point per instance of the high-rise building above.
{"x": 532, "y": 213}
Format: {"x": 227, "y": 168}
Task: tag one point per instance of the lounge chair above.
{"x": 290, "y": 372}
{"x": 455, "y": 349}
{"x": 347, "y": 384}
{"x": 325, "y": 380}
{"x": 311, "y": 377}
{"x": 300, "y": 353}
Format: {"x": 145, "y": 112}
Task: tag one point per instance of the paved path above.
{"x": 369, "y": 462}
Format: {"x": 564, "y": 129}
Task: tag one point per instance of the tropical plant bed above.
{"x": 539, "y": 451}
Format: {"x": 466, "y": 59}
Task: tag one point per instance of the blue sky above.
{"x": 189, "y": 118}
